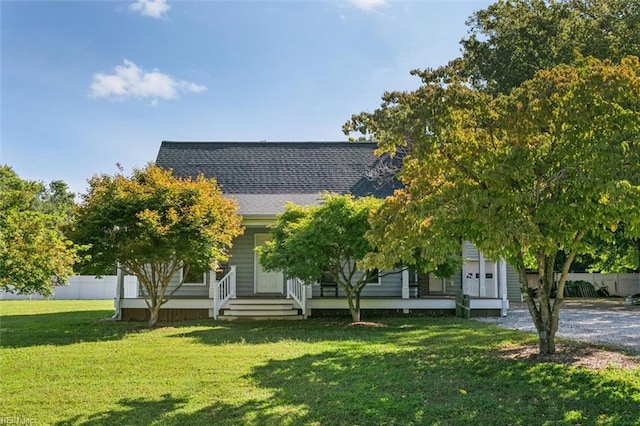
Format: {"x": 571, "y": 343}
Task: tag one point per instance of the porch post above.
{"x": 502, "y": 280}
{"x": 405, "y": 287}
{"x": 117, "y": 304}
{"x": 465, "y": 286}
{"x": 482, "y": 291}
{"x": 213, "y": 294}
{"x": 233, "y": 281}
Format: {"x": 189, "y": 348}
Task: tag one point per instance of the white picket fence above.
{"x": 84, "y": 287}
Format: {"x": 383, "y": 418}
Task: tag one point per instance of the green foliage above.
{"x": 524, "y": 157}
{"x": 153, "y": 225}
{"x": 413, "y": 371}
{"x": 35, "y": 255}
{"x": 531, "y": 172}
{"x": 511, "y": 40}
{"x": 307, "y": 242}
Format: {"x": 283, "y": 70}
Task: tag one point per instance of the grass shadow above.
{"x": 61, "y": 328}
{"x": 321, "y": 330}
{"x": 434, "y": 387}
{"x": 139, "y": 411}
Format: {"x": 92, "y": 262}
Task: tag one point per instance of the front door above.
{"x": 266, "y": 282}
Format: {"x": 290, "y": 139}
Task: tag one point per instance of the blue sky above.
{"x": 88, "y": 84}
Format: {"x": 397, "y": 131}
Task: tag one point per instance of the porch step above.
{"x": 263, "y": 309}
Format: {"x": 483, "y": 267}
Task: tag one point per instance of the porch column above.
{"x": 233, "y": 281}
{"x": 482, "y": 284}
{"x": 117, "y": 304}
{"x": 405, "y": 287}
{"x": 213, "y": 294}
{"x": 502, "y": 286}
{"x": 465, "y": 286}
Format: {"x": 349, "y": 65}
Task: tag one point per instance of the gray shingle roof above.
{"x": 262, "y": 176}
{"x": 277, "y": 167}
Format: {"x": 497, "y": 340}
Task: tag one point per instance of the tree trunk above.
{"x": 547, "y": 341}
{"x": 353, "y": 299}
{"x": 544, "y": 311}
{"x": 355, "y": 315}
{"x": 155, "y": 314}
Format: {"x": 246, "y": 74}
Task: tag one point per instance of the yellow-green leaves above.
{"x": 152, "y": 216}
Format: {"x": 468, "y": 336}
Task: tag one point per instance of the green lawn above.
{"x": 62, "y": 364}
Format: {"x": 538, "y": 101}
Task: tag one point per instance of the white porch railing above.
{"x": 297, "y": 291}
{"x": 223, "y": 290}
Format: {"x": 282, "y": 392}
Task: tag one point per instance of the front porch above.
{"x": 297, "y": 302}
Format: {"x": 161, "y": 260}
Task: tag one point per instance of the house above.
{"x": 262, "y": 177}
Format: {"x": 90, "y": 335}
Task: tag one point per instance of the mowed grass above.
{"x": 63, "y": 364}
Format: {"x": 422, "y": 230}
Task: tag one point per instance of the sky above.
{"x": 86, "y": 85}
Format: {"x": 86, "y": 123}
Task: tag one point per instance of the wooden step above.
{"x": 260, "y": 309}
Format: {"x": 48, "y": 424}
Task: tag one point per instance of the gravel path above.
{"x": 607, "y": 325}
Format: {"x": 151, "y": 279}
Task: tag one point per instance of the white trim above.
{"x": 382, "y": 303}
{"x": 502, "y": 288}
{"x": 201, "y": 303}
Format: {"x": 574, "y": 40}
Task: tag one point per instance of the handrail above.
{"x": 297, "y": 291}
{"x": 224, "y": 290}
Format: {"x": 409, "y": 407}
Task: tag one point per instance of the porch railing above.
{"x": 297, "y": 291}
{"x": 224, "y": 290}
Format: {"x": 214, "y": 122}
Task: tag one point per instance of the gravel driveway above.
{"x": 610, "y": 322}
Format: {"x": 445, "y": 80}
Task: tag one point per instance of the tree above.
{"x": 153, "y": 225}
{"x": 328, "y": 239}
{"x": 531, "y": 172}
{"x": 35, "y": 255}
{"x": 511, "y": 40}
{"x": 55, "y": 199}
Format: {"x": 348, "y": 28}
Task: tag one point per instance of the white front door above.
{"x": 266, "y": 282}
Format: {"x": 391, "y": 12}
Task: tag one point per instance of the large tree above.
{"x": 153, "y": 225}
{"x": 511, "y": 40}
{"x": 531, "y": 172}
{"x": 35, "y": 255}
{"x": 328, "y": 239}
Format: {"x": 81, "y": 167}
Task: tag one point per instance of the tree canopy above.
{"x": 328, "y": 239}
{"x": 527, "y": 144}
{"x": 533, "y": 171}
{"x": 511, "y": 40}
{"x": 154, "y": 225}
{"x": 35, "y": 255}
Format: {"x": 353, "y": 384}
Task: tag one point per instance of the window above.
{"x": 194, "y": 277}
{"x": 376, "y": 279}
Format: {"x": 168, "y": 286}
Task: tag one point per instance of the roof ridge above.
{"x": 265, "y": 142}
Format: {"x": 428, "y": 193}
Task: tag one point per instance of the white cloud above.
{"x": 153, "y": 8}
{"x": 368, "y": 5}
{"x": 130, "y": 81}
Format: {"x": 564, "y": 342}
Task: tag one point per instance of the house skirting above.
{"x": 166, "y": 314}
{"x": 199, "y": 308}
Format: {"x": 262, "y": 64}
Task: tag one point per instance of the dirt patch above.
{"x": 574, "y": 354}
{"x": 366, "y": 324}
